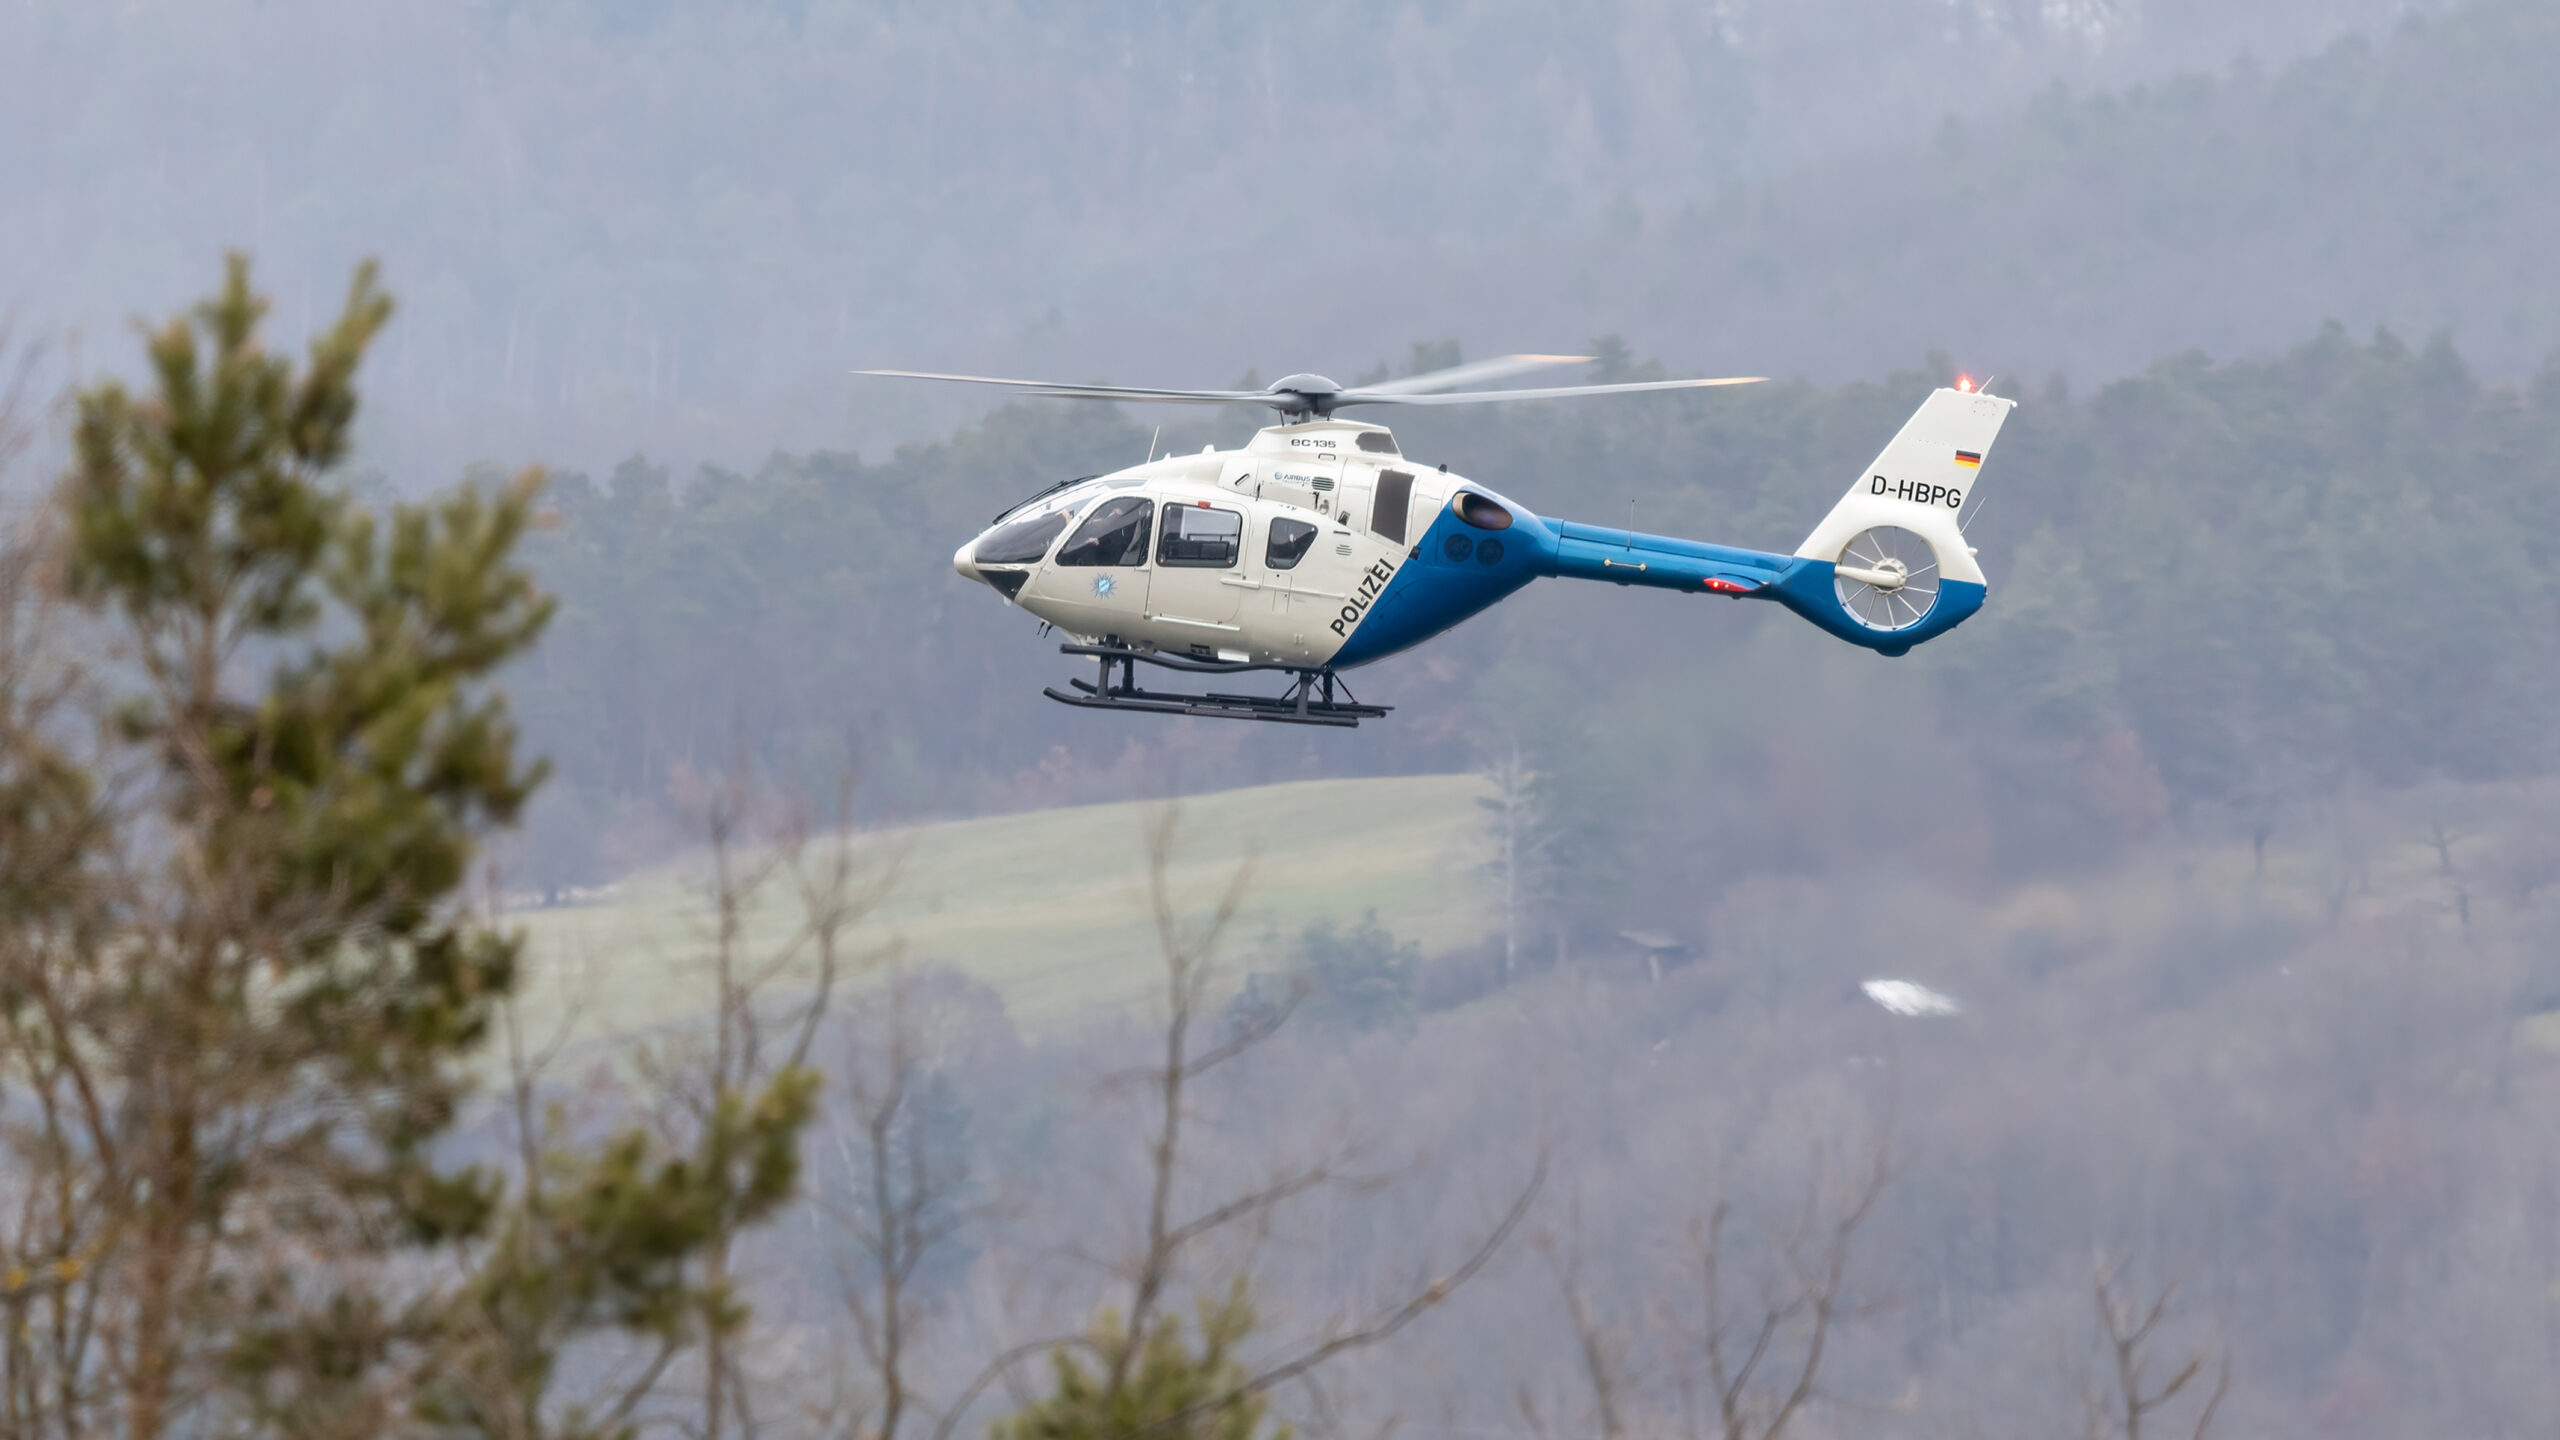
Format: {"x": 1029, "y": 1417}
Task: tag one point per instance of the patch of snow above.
{"x": 1909, "y": 997}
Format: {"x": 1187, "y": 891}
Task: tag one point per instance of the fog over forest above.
{"x": 673, "y": 226}
{"x": 2135, "y": 1012}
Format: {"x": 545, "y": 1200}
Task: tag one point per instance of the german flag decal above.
{"x": 1969, "y": 459}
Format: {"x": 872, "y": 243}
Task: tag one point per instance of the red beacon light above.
{"x": 1965, "y": 383}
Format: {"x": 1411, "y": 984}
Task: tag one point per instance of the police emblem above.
{"x": 1102, "y": 586}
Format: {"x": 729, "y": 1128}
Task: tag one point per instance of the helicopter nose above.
{"x": 961, "y": 562}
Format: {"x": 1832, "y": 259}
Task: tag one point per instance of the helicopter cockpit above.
{"x": 1207, "y": 554}
{"x": 1022, "y": 534}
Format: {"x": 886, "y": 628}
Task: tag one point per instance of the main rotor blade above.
{"x": 1481, "y": 372}
{"x": 1370, "y": 395}
{"x": 1092, "y": 392}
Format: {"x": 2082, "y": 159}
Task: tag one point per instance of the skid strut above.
{"x": 1316, "y": 696}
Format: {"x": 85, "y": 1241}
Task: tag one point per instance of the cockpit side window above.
{"x": 1195, "y": 534}
{"x": 1114, "y": 534}
{"x": 1022, "y": 542}
{"x": 1288, "y": 544}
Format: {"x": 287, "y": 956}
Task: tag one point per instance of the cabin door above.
{"x": 1199, "y": 585}
{"x": 1097, "y": 583}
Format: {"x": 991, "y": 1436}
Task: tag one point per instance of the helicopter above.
{"x": 1318, "y": 547}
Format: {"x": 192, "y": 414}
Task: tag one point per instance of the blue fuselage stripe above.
{"x": 1445, "y": 578}
{"x": 1436, "y": 586}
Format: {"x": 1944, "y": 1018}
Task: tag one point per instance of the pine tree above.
{"x": 1166, "y": 1390}
{"x": 245, "y": 1014}
{"x": 242, "y": 991}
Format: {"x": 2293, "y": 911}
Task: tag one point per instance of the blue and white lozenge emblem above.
{"x": 1102, "y": 586}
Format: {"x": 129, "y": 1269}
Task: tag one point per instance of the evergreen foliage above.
{"x": 1356, "y": 976}
{"x": 1116, "y": 1388}
{"x": 241, "y": 990}
{"x": 265, "y": 1006}
{"x": 608, "y": 1239}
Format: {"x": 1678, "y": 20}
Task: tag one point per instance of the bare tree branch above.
{"x": 2127, "y": 1329}
{"x": 1385, "y": 1326}
{"x": 1602, "y": 1357}
{"x": 996, "y": 1369}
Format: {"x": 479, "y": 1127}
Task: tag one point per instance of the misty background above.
{"x": 2228, "y": 824}
{"x": 673, "y": 227}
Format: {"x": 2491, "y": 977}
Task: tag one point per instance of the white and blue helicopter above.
{"x": 1317, "y": 547}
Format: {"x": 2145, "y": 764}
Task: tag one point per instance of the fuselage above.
{"x": 1320, "y": 546}
{"x": 1316, "y": 545}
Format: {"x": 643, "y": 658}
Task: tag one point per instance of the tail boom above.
{"x": 1802, "y": 584}
{"x": 1886, "y": 569}
{"x": 1663, "y": 562}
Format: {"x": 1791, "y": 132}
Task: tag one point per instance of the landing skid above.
{"x": 1309, "y": 700}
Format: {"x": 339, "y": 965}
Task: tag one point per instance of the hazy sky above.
{"x": 674, "y": 226}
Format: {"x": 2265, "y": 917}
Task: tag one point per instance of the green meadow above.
{"x": 1050, "y": 907}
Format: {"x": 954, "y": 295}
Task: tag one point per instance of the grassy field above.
{"x": 1050, "y": 907}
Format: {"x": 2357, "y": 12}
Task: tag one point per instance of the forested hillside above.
{"x": 1972, "y": 1004}
{"x": 2405, "y": 181}
{"x": 2220, "y": 593}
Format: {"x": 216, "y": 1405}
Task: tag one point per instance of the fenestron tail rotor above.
{"x": 1887, "y": 577}
{"x": 1309, "y": 394}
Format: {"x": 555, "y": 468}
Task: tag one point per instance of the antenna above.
{"x": 1151, "y": 444}
{"x": 1631, "y": 522}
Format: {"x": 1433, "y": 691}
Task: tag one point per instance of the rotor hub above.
{"x": 1317, "y": 393}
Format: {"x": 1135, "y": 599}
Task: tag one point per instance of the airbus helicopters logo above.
{"x": 1373, "y": 582}
{"x": 1919, "y": 494}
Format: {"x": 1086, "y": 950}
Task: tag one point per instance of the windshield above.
{"x": 1037, "y": 496}
{"x": 1076, "y": 492}
{"x": 1020, "y": 542}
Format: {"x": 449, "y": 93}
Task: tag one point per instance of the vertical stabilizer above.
{"x": 1888, "y": 567}
{"x": 1920, "y": 484}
